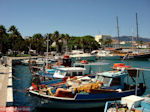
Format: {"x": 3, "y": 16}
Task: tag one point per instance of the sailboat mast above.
{"x": 137, "y": 28}
{"x": 118, "y": 34}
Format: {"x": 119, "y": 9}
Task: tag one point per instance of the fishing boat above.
{"x": 130, "y": 103}
{"x": 136, "y": 56}
{"x": 90, "y": 65}
{"x": 90, "y": 92}
{"x": 59, "y": 73}
{"x": 78, "y": 55}
{"x": 106, "y": 54}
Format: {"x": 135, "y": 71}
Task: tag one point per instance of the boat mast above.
{"x": 118, "y": 34}
{"x": 132, "y": 39}
{"x": 137, "y": 30}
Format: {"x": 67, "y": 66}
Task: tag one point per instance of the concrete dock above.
{"x": 6, "y": 90}
{"x": 6, "y": 81}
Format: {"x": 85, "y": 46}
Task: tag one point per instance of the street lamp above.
{"x": 47, "y": 52}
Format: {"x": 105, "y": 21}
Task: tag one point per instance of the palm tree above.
{"x": 66, "y": 39}
{"x": 56, "y": 39}
{"x": 3, "y": 35}
{"x": 38, "y": 43}
{"x": 2, "y": 30}
{"x": 14, "y": 31}
{"x": 16, "y": 38}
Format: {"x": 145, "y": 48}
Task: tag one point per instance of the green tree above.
{"x": 65, "y": 42}
{"x": 86, "y": 43}
{"x": 58, "y": 39}
{"x": 38, "y": 43}
{"x": 105, "y": 42}
{"x": 3, "y": 39}
{"x": 16, "y": 39}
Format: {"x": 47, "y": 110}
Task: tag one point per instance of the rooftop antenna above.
{"x": 118, "y": 34}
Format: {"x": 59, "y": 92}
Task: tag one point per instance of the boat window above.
{"x": 74, "y": 73}
{"x": 80, "y": 73}
{"x": 99, "y": 78}
{"x": 63, "y": 73}
{"x": 116, "y": 81}
{"x": 79, "y": 66}
{"x": 106, "y": 80}
{"x": 103, "y": 79}
{"x": 68, "y": 74}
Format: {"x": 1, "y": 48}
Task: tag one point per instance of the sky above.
{"x": 76, "y": 17}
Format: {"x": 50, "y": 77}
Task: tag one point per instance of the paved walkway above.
{"x": 6, "y": 90}
{"x": 3, "y": 85}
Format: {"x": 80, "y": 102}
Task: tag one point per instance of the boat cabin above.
{"x": 69, "y": 71}
{"x": 89, "y": 66}
{"x": 112, "y": 79}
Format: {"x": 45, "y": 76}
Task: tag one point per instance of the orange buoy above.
{"x": 66, "y": 56}
{"x": 118, "y": 64}
{"x": 84, "y": 62}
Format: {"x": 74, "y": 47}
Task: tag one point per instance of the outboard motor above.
{"x": 67, "y": 61}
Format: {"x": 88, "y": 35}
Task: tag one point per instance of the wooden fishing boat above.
{"x": 94, "y": 92}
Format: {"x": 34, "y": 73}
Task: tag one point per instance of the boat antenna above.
{"x": 118, "y": 33}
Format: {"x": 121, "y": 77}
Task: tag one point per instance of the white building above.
{"x": 98, "y": 37}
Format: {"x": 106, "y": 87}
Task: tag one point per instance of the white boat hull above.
{"x": 89, "y": 58}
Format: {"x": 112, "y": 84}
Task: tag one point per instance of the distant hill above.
{"x": 129, "y": 38}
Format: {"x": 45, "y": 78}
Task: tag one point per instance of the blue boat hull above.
{"x": 83, "y": 100}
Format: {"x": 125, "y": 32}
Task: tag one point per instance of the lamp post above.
{"x": 47, "y": 52}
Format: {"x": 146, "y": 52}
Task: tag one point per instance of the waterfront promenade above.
{"x": 6, "y": 91}
{"x": 6, "y": 85}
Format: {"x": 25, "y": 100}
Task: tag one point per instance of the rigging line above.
{"x": 143, "y": 77}
{"x": 16, "y": 77}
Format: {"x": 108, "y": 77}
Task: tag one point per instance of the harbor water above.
{"x": 22, "y": 80}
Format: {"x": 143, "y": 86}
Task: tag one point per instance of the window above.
{"x": 79, "y": 66}
{"x": 74, "y": 73}
{"x": 106, "y": 80}
{"x": 68, "y": 74}
{"x": 116, "y": 81}
{"x": 80, "y": 73}
{"x": 103, "y": 79}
